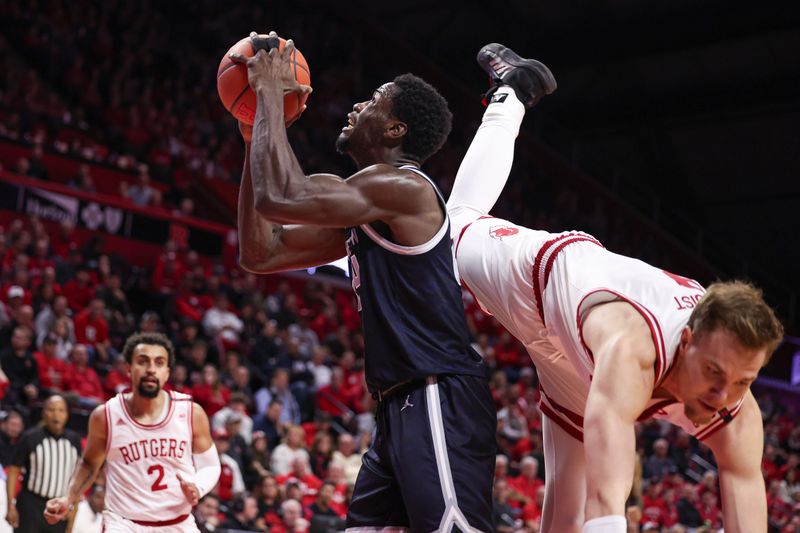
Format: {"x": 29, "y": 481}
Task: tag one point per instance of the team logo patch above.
{"x": 498, "y": 98}
{"x": 498, "y": 232}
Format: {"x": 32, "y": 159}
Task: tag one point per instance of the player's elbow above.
{"x": 253, "y": 265}
{"x": 274, "y": 209}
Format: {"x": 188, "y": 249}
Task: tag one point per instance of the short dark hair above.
{"x": 157, "y": 339}
{"x": 738, "y": 307}
{"x": 425, "y": 112}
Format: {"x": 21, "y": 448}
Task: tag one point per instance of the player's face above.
{"x": 367, "y": 122}
{"x": 149, "y": 369}
{"x": 716, "y": 372}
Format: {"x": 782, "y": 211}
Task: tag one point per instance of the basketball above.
{"x": 236, "y": 94}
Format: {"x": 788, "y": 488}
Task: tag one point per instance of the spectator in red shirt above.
{"x": 532, "y": 511}
{"x": 354, "y": 384}
{"x": 64, "y": 240}
{"x": 52, "y": 370}
{"x": 708, "y": 484}
{"x": 769, "y": 466}
{"x": 292, "y": 520}
{"x": 168, "y": 273}
{"x": 178, "y": 378}
{"x": 308, "y": 483}
{"x": 211, "y": 394}
{"x": 654, "y": 508}
{"x": 79, "y": 290}
{"x": 15, "y": 299}
{"x": 40, "y": 261}
{"x": 508, "y": 354}
{"x": 527, "y": 483}
{"x": 709, "y": 510}
{"x": 82, "y": 379}
{"x": 118, "y": 380}
{"x": 91, "y": 328}
{"x": 334, "y": 399}
{"x": 325, "y": 323}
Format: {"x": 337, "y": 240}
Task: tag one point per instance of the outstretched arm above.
{"x": 738, "y": 448}
{"x": 265, "y": 246}
{"x": 89, "y": 465}
{"x": 622, "y": 385}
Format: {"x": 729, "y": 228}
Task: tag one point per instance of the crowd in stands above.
{"x": 134, "y": 88}
{"x": 276, "y": 362}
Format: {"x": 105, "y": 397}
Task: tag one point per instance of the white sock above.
{"x": 606, "y": 524}
{"x": 484, "y": 170}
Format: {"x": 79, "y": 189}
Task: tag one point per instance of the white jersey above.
{"x": 541, "y": 285}
{"x": 142, "y": 461}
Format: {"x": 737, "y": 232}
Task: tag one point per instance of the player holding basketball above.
{"x": 614, "y": 340}
{"x": 427, "y": 469}
{"x": 160, "y": 459}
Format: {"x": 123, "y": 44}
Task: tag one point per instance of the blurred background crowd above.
{"x": 276, "y": 361}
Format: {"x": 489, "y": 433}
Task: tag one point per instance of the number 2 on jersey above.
{"x": 157, "y": 485}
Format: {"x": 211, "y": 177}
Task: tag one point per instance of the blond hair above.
{"x": 738, "y": 307}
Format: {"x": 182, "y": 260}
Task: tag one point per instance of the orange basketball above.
{"x": 239, "y": 98}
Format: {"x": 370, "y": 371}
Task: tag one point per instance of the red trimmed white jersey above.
{"x": 142, "y": 460}
{"x": 541, "y": 286}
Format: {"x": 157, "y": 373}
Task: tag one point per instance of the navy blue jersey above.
{"x": 411, "y": 309}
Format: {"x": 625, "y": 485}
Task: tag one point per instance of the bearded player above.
{"x": 614, "y": 339}
{"x": 160, "y": 459}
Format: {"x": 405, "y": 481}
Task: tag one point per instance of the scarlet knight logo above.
{"x": 498, "y": 232}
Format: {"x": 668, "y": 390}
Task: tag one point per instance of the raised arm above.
{"x": 738, "y": 449}
{"x": 265, "y": 246}
{"x": 89, "y": 465}
{"x": 283, "y": 193}
{"x": 622, "y": 385}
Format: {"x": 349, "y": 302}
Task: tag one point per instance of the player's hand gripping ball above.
{"x": 239, "y": 70}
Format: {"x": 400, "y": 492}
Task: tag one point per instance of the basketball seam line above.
{"x": 230, "y": 109}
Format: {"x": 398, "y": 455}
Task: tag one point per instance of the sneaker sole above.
{"x": 509, "y": 56}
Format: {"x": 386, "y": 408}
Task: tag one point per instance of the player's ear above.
{"x": 395, "y": 130}
{"x": 686, "y": 337}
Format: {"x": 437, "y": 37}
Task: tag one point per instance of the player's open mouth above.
{"x": 350, "y": 122}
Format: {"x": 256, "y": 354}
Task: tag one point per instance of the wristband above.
{"x": 606, "y": 524}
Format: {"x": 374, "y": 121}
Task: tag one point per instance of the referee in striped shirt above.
{"x": 47, "y": 454}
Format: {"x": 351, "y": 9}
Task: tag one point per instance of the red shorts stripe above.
{"x": 461, "y": 234}
{"x": 549, "y": 413}
{"x": 165, "y": 523}
{"x": 541, "y": 276}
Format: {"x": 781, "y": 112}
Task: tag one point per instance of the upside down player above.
{"x": 426, "y": 469}
{"x": 160, "y": 459}
{"x": 614, "y": 340}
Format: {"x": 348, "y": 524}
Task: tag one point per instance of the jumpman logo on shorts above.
{"x": 407, "y": 403}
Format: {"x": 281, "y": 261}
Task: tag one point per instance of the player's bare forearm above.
{"x": 277, "y": 175}
{"x": 11, "y": 484}
{"x": 744, "y": 503}
{"x": 256, "y": 234}
{"x": 621, "y": 386}
{"x": 94, "y": 455}
{"x": 82, "y": 478}
{"x": 738, "y": 450}
{"x": 266, "y": 246}
{"x": 610, "y": 448}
